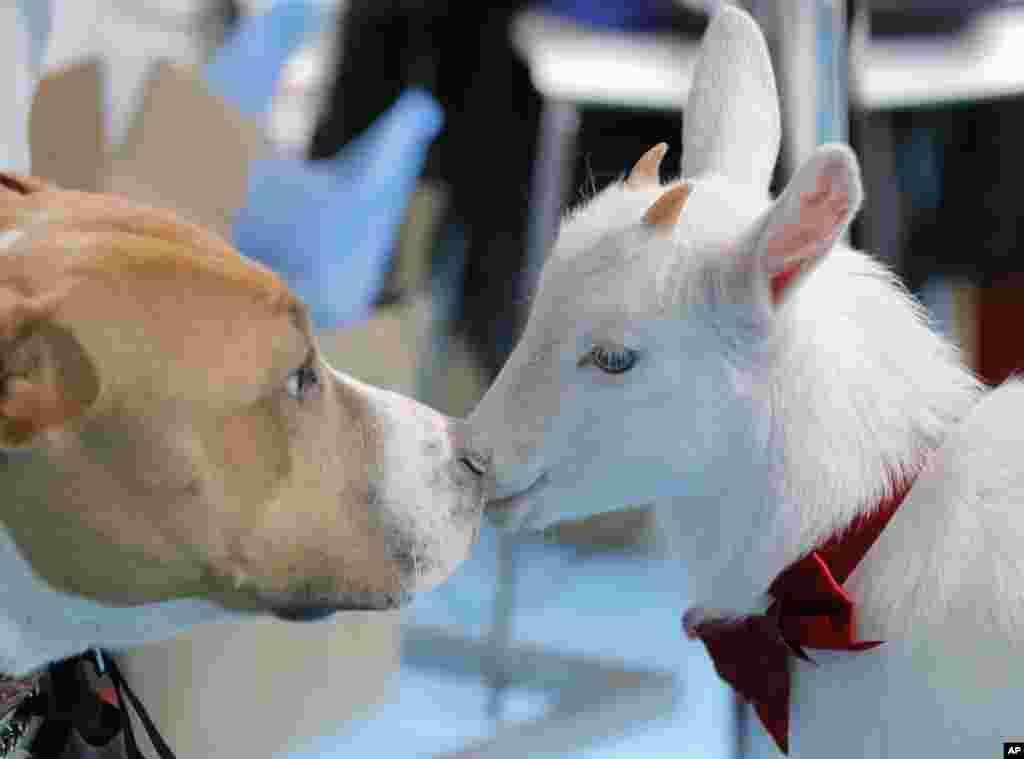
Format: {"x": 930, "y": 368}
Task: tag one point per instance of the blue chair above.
{"x": 328, "y": 227}
{"x": 35, "y": 14}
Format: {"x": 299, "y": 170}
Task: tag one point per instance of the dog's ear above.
{"x": 808, "y": 218}
{"x": 46, "y": 378}
{"x": 731, "y": 125}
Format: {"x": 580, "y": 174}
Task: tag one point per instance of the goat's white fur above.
{"x": 759, "y": 429}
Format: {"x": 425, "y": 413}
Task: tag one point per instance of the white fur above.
{"x": 850, "y": 384}
{"x": 965, "y": 576}
{"x": 759, "y": 429}
{"x": 943, "y": 587}
{"x": 421, "y": 498}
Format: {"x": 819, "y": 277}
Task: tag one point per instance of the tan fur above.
{"x": 143, "y": 364}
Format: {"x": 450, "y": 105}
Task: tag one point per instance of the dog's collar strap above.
{"x": 122, "y": 690}
{"x": 59, "y": 709}
{"x": 809, "y": 609}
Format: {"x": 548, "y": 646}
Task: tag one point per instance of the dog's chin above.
{"x": 306, "y": 613}
{"x": 316, "y": 612}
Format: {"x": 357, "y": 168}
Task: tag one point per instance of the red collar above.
{"x": 809, "y": 609}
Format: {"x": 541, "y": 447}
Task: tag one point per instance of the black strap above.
{"x": 66, "y": 701}
{"x": 121, "y": 688}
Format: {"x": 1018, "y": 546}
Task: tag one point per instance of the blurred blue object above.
{"x": 615, "y": 15}
{"x": 25, "y": 35}
{"x": 36, "y": 15}
{"x": 328, "y": 227}
{"x": 246, "y": 68}
{"x": 617, "y": 608}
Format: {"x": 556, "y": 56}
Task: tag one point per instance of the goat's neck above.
{"x": 857, "y": 393}
{"x": 864, "y": 392}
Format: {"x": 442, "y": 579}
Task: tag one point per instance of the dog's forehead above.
{"x": 163, "y": 285}
{"x": 71, "y": 232}
{"x": 196, "y": 253}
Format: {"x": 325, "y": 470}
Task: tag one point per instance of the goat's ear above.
{"x": 808, "y": 218}
{"x": 731, "y": 123}
{"x": 46, "y": 378}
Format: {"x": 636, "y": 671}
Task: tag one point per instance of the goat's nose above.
{"x": 472, "y": 458}
{"x": 473, "y": 461}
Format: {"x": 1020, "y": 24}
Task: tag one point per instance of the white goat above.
{"x": 725, "y": 356}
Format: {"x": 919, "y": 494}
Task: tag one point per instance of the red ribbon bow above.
{"x": 809, "y": 610}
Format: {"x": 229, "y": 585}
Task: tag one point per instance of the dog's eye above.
{"x": 613, "y": 361}
{"x": 303, "y": 381}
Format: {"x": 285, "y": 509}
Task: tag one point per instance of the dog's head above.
{"x": 639, "y": 373}
{"x": 170, "y": 428}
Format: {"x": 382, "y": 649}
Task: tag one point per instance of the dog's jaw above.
{"x": 39, "y": 625}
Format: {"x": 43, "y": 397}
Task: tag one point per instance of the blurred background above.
{"x": 566, "y": 644}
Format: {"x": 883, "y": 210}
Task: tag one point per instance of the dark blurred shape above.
{"x": 462, "y": 53}
{"x": 961, "y": 173}
{"x": 1000, "y": 315}
{"x": 459, "y": 51}
{"x": 232, "y": 12}
{"x": 943, "y": 201}
{"x": 626, "y": 15}
{"x": 900, "y": 18}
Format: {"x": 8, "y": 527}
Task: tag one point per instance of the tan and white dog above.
{"x": 175, "y": 449}
{"x": 725, "y": 356}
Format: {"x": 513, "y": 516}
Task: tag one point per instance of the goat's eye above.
{"x": 613, "y": 361}
{"x": 303, "y": 381}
